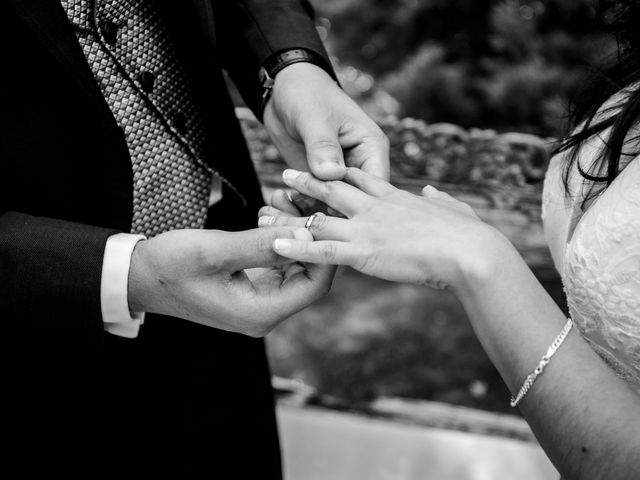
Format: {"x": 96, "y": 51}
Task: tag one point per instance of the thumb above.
{"x": 251, "y": 248}
{"x": 324, "y": 153}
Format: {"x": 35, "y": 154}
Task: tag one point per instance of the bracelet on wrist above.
{"x": 544, "y": 361}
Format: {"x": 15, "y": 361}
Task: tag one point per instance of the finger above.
{"x": 265, "y": 275}
{"x": 281, "y": 201}
{"x": 282, "y": 221}
{"x": 303, "y": 234}
{"x": 368, "y": 183}
{"x": 378, "y": 166}
{"x": 338, "y": 195}
{"x": 321, "y": 228}
{"x": 368, "y": 150}
{"x": 308, "y": 205}
{"x": 324, "y": 153}
{"x": 249, "y": 249}
{"x": 302, "y": 288}
{"x": 292, "y": 270}
{"x": 271, "y": 212}
{"x": 372, "y": 158}
{"x": 433, "y": 193}
{"x": 322, "y": 252}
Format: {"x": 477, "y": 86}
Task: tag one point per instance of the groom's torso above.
{"x": 63, "y": 155}
{"x": 57, "y": 129}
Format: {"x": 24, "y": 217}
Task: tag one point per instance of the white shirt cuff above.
{"x": 117, "y": 318}
{"x": 215, "y": 193}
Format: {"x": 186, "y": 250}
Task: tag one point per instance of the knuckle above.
{"x": 328, "y": 252}
{"x": 305, "y": 180}
{"x": 280, "y": 221}
{"x": 366, "y": 261}
{"x": 399, "y": 195}
{"x": 325, "y": 144}
{"x": 330, "y": 188}
{"x": 318, "y": 224}
{"x": 303, "y": 249}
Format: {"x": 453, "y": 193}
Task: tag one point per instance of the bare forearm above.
{"x": 585, "y": 417}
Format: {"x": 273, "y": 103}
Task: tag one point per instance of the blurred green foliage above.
{"x": 511, "y": 65}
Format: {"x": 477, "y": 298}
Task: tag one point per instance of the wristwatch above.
{"x": 274, "y": 64}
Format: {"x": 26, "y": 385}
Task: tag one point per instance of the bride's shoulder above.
{"x": 627, "y": 185}
{"x": 565, "y": 189}
{"x": 588, "y": 158}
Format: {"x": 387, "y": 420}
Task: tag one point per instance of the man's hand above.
{"x": 316, "y": 126}
{"x": 230, "y": 281}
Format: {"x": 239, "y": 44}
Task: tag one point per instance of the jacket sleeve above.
{"x": 50, "y": 273}
{"x": 250, "y": 31}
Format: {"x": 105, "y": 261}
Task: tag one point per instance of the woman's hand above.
{"x": 431, "y": 239}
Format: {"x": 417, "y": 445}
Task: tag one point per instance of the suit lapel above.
{"x": 48, "y": 23}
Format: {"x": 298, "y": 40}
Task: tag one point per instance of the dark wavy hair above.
{"x": 618, "y": 119}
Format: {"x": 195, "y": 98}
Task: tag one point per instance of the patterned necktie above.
{"x": 129, "y": 48}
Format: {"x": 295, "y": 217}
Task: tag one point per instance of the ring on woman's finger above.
{"x": 310, "y": 220}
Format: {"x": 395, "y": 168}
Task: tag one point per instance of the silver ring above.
{"x": 310, "y": 221}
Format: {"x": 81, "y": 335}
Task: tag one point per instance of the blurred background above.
{"x": 503, "y": 64}
{"x": 473, "y": 94}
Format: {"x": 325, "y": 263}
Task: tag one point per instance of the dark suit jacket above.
{"x": 180, "y": 398}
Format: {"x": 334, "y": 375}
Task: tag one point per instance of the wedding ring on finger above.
{"x": 309, "y": 223}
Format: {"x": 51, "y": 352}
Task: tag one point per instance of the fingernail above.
{"x": 265, "y": 221}
{"x": 288, "y": 194}
{"x": 331, "y": 169}
{"x": 294, "y": 195}
{"x": 290, "y": 174}
{"x": 281, "y": 244}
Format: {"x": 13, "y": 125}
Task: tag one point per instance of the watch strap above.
{"x": 277, "y": 62}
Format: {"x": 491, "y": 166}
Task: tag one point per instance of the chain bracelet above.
{"x": 546, "y": 359}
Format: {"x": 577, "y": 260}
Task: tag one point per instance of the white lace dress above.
{"x": 597, "y": 252}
